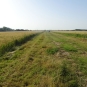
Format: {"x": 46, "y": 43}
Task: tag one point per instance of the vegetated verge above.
{"x": 17, "y": 42}
{"x": 77, "y": 35}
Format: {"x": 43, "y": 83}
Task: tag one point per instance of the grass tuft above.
{"x": 52, "y": 50}
{"x": 71, "y": 48}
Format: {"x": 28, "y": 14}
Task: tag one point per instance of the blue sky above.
{"x": 43, "y": 14}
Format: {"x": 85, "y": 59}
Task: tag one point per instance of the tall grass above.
{"x": 6, "y": 37}
{"x": 17, "y": 42}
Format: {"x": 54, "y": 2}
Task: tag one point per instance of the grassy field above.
{"x": 6, "y": 37}
{"x": 10, "y": 40}
{"x": 46, "y": 59}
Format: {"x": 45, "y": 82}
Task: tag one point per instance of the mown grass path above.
{"x": 40, "y": 63}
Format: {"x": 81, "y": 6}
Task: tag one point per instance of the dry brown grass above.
{"x": 6, "y": 37}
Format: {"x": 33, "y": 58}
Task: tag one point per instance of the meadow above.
{"x": 44, "y": 59}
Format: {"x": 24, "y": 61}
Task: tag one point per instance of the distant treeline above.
{"x": 81, "y": 29}
{"x": 21, "y": 30}
{"x": 9, "y": 29}
{"x": 6, "y": 29}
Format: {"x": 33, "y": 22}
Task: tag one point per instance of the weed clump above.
{"x": 52, "y": 50}
{"x": 70, "y": 48}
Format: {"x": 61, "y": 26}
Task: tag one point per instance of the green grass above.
{"x": 52, "y": 50}
{"x": 82, "y": 64}
{"x": 70, "y": 48}
{"x": 43, "y": 62}
{"x": 76, "y": 35}
{"x": 66, "y": 77}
